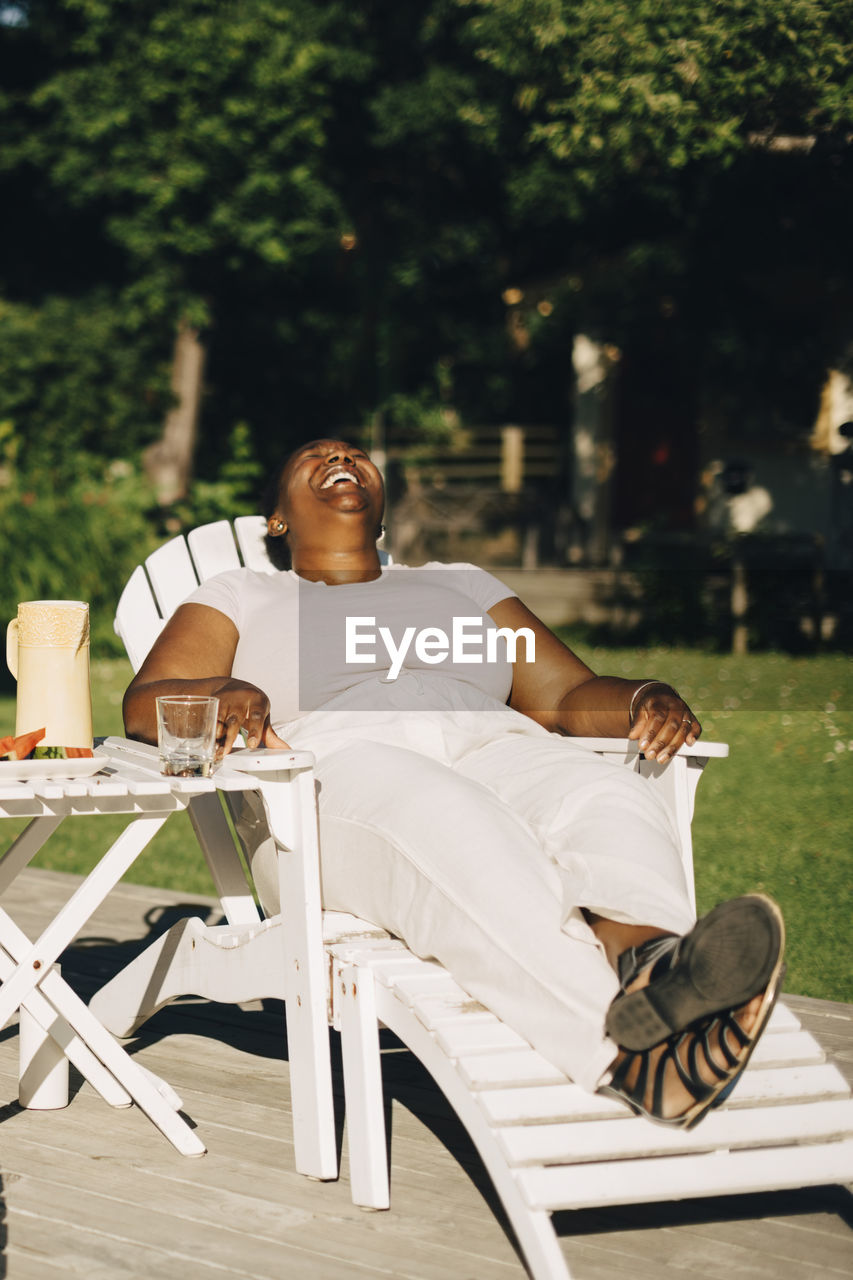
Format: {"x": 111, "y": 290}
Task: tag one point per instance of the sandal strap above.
{"x": 654, "y": 951}
{"x": 634, "y": 1094}
{"x": 702, "y": 1041}
{"x": 682, "y": 1052}
{"x": 637, "y": 1091}
{"x": 706, "y": 1095}
{"x": 660, "y": 1079}
{"x": 729, "y": 1026}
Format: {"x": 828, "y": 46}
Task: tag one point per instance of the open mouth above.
{"x": 340, "y": 475}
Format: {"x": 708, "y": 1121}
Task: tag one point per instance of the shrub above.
{"x": 74, "y": 537}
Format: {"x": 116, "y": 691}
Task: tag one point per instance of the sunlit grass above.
{"x": 776, "y": 816}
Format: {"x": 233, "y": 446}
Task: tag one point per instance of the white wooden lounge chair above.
{"x": 546, "y": 1144}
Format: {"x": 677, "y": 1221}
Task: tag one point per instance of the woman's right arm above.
{"x": 195, "y": 642}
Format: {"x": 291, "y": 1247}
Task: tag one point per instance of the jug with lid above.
{"x": 47, "y": 651}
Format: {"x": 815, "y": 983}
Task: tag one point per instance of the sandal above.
{"x": 726, "y": 959}
{"x": 682, "y": 1051}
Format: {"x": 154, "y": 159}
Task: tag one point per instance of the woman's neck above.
{"x": 336, "y": 568}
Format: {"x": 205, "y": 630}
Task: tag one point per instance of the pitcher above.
{"x": 47, "y": 651}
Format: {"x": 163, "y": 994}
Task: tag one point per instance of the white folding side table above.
{"x": 128, "y": 783}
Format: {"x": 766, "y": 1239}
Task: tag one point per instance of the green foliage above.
{"x": 195, "y": 127}
{"x": 177, "y": 153}
{"x": 338, "y": 194}
{"x": 78, "y": 374}
{"x": 633, "y": 84}
{"x": 78, "y": 539}
{"x": 234, "y": 492}
{"x": 642, "y": 145}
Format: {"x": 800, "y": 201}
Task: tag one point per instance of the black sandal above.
{"x": 682, "y": 1051}
{"x": 726, "y": 959}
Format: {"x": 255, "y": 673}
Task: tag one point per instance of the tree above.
{"x": 189, "y": 133}
{"x": 640, "y": 90}
{"x": 675, "y": 144}
{"x": 338, "y": 198}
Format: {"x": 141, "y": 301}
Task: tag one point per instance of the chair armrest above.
{"x": 264, "y": 760}
{"x": 628, "y": 747}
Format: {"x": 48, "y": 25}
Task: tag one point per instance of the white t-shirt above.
{"x": 306, "y": 644}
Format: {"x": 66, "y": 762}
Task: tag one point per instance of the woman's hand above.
{"x": 194, "y": 654}
{"x": 662, "y": 722}
{"x": 244, "y": 707}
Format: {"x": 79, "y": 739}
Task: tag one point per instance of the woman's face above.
{"x": 325, "y": 476}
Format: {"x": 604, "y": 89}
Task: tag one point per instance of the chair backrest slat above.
{"x": 251, "y": 532}
{"x": 172, "y": 575}
{"x": 213, "y": 549}
{"x": 138, "y": 622}
{"x": 173, "y": 572}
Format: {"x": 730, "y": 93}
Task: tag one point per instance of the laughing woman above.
{"x": 456, "y": 812}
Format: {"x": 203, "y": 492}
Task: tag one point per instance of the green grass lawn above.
{"x": 776, "y": 816}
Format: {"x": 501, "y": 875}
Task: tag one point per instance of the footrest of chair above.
{"x": 549, "y": 1145}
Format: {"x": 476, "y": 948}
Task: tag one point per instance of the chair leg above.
{"x": 291, "y": 811}
{"x": 533, "y": 1227}
{"x": 365, "y": 1110}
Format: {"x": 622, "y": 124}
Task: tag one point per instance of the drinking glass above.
{"x": 186, "y": 735}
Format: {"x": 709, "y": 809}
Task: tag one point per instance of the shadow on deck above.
{"x": 94, "y": 1191}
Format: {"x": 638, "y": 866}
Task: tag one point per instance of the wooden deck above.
{"x": 97, "y": 1192}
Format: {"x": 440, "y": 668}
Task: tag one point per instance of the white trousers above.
{"x": 477, "y": 838}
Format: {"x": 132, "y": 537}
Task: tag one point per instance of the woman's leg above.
{"x": 616, "y": 938}
{"x": 441, "y": 862}
{"x": 609, "y": 834}
{"x": 692, "y": 1007}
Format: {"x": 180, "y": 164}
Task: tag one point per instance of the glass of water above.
{"x": 186, "y": 735}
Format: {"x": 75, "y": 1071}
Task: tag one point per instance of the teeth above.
{"x": 338, "y": 475}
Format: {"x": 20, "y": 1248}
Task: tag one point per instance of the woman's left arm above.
{"x": 559, "y": 691}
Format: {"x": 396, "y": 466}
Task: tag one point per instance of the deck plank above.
{"x": 96, "y": 1192}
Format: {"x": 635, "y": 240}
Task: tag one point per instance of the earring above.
{"x": 279, "y": 526}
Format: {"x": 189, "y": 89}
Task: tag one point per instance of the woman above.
{"x": 454, "y": 809}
